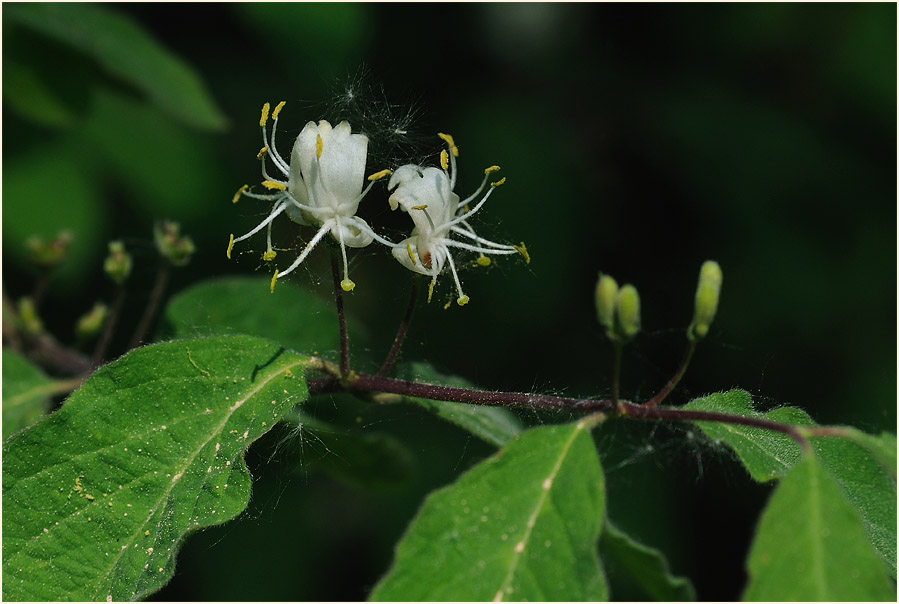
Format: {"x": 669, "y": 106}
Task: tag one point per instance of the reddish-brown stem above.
{"x": 341, "y": 317}
{"x": 401, "y": 332}
{"x": 675, "y": 379}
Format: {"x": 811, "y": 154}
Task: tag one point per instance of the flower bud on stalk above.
{"x": 628, "y": 312}
{"x": 171, "y": 245}
{"x": 118, "y": 264}
{"x": 606, "y": 297}
{"x": 708, "y": 290}
{"x": 90, "y": 324}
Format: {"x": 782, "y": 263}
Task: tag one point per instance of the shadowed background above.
{"x": 638, "y": 140}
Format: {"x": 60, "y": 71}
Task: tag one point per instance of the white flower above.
{"x": 323, "y": 188}
{"x": 438, "y": 214}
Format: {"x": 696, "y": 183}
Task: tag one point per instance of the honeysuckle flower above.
{"x": 321, "y": 187}
{"x": 427, "y": 195}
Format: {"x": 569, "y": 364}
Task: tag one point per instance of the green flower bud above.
{"x": 90, "y": 324}
{"x": 606, "y": 296}
{"x": 171, "y": 245}
{"x": 118, "y": 263}
{"x": 49, "y": 254}
{"x": 708, "y": 290}
{"x": 628, "y": 312}
{"x": 28, "y": 318}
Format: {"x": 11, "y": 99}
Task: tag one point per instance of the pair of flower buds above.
{"x": 322, "y": 186}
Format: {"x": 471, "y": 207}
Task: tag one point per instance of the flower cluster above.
{"x": 322, "y": 186}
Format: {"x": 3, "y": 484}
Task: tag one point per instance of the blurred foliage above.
{"x": 638, "y": 140}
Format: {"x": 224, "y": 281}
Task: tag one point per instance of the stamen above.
{"x": 483, "y": 261}
{"x": 277, "y": 209}
{"x": 261, "y": 153}
{"x": 380, "y": 175}
{"x": 263, "y": 119}
{"x": 269, "y": 255}
{"x": 444, "y": 159}
{"x": 347, "y": 284}
{"x": 274, "y": 185}
{"x": 322, "y": 231}
{"x": 424, "y": 207}
{"x": 230, "y": 245}
{"x": 408, "y": 250}
{"x": 431, "y": 288}
{"x": 463, "y": 299}
{"x": 278, "y": 109}
{"x": 318, "y": 146}
{"x": 449, "y": 141}
{"x": 274, "y": 278}
{"x": 491, "y": 170}
{"x": 499, "y": 182}
{"x": 521, "y": 249}
{"x": 239, "y": 193}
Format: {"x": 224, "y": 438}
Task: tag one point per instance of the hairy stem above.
{"x": 341, "y": 316}
{"x": 401, "y": 332}
{"x": 162, "y": 277}
{"x": 362, "y": 383}
{"x": 675, "y": 379}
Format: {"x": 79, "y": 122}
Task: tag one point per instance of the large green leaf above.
{"x": 810, "y": 544}
{"x": 98, "y": 497}
{"x": 495, "y": 425}
{"x": 521, "y": 525}
{"x": 861, "y": 466}
{"x": 290, "y": 315}
{"x": 26, "y": 392}
{"x": 126, "y": 51}
{"x": 638, "y": 572}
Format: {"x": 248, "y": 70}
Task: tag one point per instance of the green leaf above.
{"x": 810, "y": 545}
{"x": 31, "y": 98}
{"x": 152, "y": 153}
{"x": 290, "y": 315}
{"x": 126, "y": 51}
{"x": 638, "y": 572}
{"x": 494, "y": 425}
{"x": 867, "y": 479}
{"x": 98, "y": 497}
{"x": 26, "y": 393}
{"x": 521, "y": 525}
{"x": 766, "y": 455}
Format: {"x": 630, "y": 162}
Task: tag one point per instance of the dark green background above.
{"x": 638, "y": 140}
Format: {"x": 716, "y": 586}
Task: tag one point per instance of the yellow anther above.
{"x": 274, "y": 278}
{"x": 263, "y": 120}
{"x": 484, "y": 261}
{"x": 521, "y": 249}
{"x": 447, "y": 305}
{"x": 424, "y": 207}
{"x": 444, "y": 159}
{"x": 262, "y": 153}
{"x": 430, "y": 291}
{"x": 412, "y": 258}
{"x": 499, "y": 182}
{"x": 230, "y": 245}
{"x": 491, "y": 169}
{"x": 269, "y": 255}
{"x": 318, "y": 145}
{"x": 462, "y": 301}
{"x": 347, "y": 285}
{"x": 278, "y": 109}
{"x": 449, "y": 141}
{"x": 274, "y": 185}
{"x": 239, "y": 193}
{"x": 380, "y": 175}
